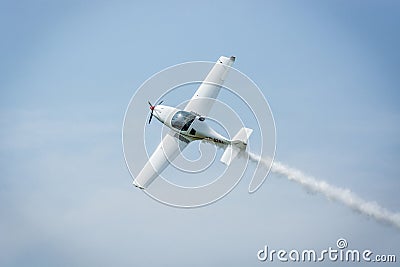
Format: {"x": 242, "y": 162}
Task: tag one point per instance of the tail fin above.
{"x": 238, "y": 143}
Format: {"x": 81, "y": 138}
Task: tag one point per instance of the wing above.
{"x": 204, "y": 98}
{"x": 167, "y": 151}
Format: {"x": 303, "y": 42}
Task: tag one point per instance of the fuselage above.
{"x": 188, "y": 124}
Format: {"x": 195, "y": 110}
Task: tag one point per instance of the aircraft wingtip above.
{"x": 137, "y": 185}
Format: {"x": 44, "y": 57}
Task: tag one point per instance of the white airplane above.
{"x": 190, "y": 124}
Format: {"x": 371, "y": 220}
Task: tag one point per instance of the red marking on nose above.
{"x": 152, "y": 108}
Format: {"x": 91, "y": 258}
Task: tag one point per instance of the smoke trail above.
{"x": 345, "y": 196}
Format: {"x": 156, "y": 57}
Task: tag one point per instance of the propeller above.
{"x": 152, "y": 108}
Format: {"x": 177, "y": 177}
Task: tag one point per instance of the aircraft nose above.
{"x": 158, "y": 112}
{"x": 162, "y": 112}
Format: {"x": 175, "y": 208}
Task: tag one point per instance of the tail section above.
{"x": 238, "y": 143}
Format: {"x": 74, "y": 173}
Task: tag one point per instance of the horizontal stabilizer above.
{"x": 238, "y": 143}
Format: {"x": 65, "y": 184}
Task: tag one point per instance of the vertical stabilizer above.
{"x": 238, "y": 143}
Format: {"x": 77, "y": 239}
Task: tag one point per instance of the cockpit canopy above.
{"x": 182, "y": 120}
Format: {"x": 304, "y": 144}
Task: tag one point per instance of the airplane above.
{"x": 190, "y": 124}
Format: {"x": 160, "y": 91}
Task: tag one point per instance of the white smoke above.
{"x": 345, "y": 196}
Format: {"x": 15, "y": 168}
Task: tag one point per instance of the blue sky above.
{"x": 329, "y": 70}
